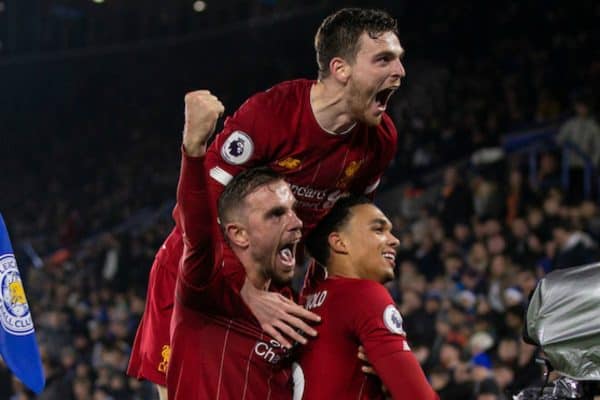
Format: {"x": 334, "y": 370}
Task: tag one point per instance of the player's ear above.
{"x": 237, "y": 234}
{"x": 337, "y": 244}
{"x": 340, "y": 69}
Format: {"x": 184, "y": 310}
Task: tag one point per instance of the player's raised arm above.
{"x": 202, "y": 110}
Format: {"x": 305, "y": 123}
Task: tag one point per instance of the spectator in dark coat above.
{"x": 574, "y": 247}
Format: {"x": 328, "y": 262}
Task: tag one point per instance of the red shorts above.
{"x": 151, "y": 347}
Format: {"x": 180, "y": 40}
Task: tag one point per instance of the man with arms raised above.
{"x": 218, "y": 349}
{"x": 326, "y": 137}
{"x": 355, "y": 244}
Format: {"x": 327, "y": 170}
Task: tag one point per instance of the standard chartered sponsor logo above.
{"x": 268, "y": 351}
{"x": 308, "y": 192}
{"x": 309, "y": 197}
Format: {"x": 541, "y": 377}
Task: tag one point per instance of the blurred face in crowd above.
{"x": 560, "y": 236}
{"x": 373, "y": 76}
{"x": 552, "y": 206}
{"x": 515, "y": 179}
{"x": 535, "y": 217}
{"x": 519, "y": 228}
{"x": 451, "y": 176}
{"x": 461, "y": 232}
{"x": 432, "y": 305}
{"x": 449, "y": 355}
{"x": 493, "y": 227}
{"x": 478, "y": 256}
{"x": 448, "y": 246}
{"x": 411, "y": 301}
{"x": 508, "y": 350}
{"x": 452, "y": 265}
{"x": 498, "y": 266}
{"x": 503, "y": 375}
{"x": 527, "y": 282}
{"x": 408, "y": 267}
{"x": 82, "y": 389}
{"x": 496, "y": 244}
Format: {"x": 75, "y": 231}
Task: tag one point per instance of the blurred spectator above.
{"x": 583, "y": 131}
{"x": 548, "y": 177}
{"x": 574, "y": 247}
{"x": 455, "y": 202}
{"x": 519, "y": 196}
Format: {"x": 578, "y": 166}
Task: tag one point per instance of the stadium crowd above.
{"x": 470, "y": 254}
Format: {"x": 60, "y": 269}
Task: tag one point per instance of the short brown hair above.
{"x": 339, "y": 33}
{"x": 246, "y": 182}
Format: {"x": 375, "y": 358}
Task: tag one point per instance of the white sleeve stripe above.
{"x": 372, "y": 187}
{"x": 220, "y": 175}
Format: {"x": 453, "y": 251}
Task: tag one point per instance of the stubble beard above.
{"x": 360, "y": 105}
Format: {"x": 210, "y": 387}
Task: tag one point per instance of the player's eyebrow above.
{"x": 389, "y": 54}
{"x": 276, "y": 211}
{"x": 381, "y": 222}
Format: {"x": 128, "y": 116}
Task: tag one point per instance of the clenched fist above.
{"x": 202, "y": 110}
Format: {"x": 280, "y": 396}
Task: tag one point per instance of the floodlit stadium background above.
{"x": 483, "y": 197}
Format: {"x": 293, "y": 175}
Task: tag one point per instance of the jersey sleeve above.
{"x": 378, "y": 324}
{"x": 196, "y": 221}
{"x": 244, "y": 142}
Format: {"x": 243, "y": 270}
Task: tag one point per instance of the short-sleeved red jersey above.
{"x": 218, "y": 350}
{"x": 354, "y": 312}
{"x": 277, "y": 128}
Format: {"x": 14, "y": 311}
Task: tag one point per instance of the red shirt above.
{"x": 277, "y": 128}
{"x": 357, "y": 311}
{"x": 218, "y": 351}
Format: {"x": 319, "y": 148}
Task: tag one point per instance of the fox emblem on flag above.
{"x": 18, "y": 345}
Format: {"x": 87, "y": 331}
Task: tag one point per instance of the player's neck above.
{"x": 330, "y": 108}
{"x": 253, "y": 272}
{"x": 342, "y": 268}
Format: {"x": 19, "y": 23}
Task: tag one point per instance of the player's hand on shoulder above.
{"x": 202, "y": 110}
{"x": 279, "y": 316}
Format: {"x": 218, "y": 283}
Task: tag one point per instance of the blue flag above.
{"x": 18, "y": 346}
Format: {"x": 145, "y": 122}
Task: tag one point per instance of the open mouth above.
{"x": 287, "y": 254}
{"x": 383, "y": 96}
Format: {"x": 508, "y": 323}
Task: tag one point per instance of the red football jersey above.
{"x": 277, "y": 128}
{"x": 354, "y": 312}
{"x": 218, "y": 350}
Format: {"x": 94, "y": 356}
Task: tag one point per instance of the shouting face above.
{"x": 374, "y": 76}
